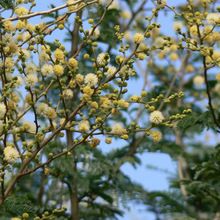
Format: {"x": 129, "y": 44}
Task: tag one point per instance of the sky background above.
{"x": 149, "y": 178}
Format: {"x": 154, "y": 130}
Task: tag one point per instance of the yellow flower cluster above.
{"x": 213, "y": 18}
{"x": 59, "y": 55}
{"x": 103, "y": 59}
{"x": 156, "y": 117}
{"x": 84, "y": 126}
{"x": 91, "y": 79}
{"x": 21, "y": 11}
{"x": 45, "y": 110}
{"x": 10, "y": 154}
{"x": 73, "y": 63}
{"x": 198, "y": 81}
{"x": 58, "y": 70}
{"x": 68, "y": 93}
{"x": 156, "y": 135}
{"x": 118, "y": 129}
{"x": 74, "y": 7}
{"x": 46, "y": 69}
{"x": 138, "y": 38}
{"x": 2, "y": 110}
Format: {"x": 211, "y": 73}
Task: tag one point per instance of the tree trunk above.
{"x": 74, "y": 191}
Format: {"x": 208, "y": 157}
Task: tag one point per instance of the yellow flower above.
{"x": 174, "y": 47}
{"x": 88, "y": 91}
{"x": 28, "y": 99}
{"x": 134, "y": 98}
{"x": 43, "y": 56}
{"x": 189, "y": 68}
{"x": 2, "y": 110}
{"x": 31, "y": 68}
{"x": 79, "y": 78}
{"x": 198, "y": 80}
{"x": 91, "y": 79}
{"x": 29, "y": 127}
{"x": 118, "y": 129}
{"x": 73, "y": 63}
{"x": 50, "y": 113}
{"x": 68, "y": 94}
{"x": 72, "y": 83}
{"x": 114, "y": 5}
{"x": 46, "y": 69}
{"x": 161, "y": 55}
{"x": 11, "y": 48}
{"x": 20, "y": 37}
{"x": 59, "y": 55}
{"x": 94, "y": 142}
{"x": 95, "y": 34}
{"x": 21, "y": 11}
{"x": 216, "y": 56}
{"x": 160, "y": 41}
{"x": 8, "y": 25}
{"x": 41, "y": 108}
{"x": 9, "y": 63}
{"x": 105, "y": 102}
{"x": 31, "y": 79}
{"x": 72, "y": 6}
{"x": 141, "y": 56}
{"x": 108, "y": 140}
{"x": 20, "y": 25}
{"x": 30, "y": 27}
{"x": 111, "y": 70}
{"x": 193, "y": 30}
{"x": 213, "y": 18}
{"x": 156, "y": 117}
{"x": 45, "y": 110}
{"x": 94, "y": 105}
{"x": 10, "y": 154}
{"x": 103, "y": 59}
{"x": 58, "y": 70}
{"x": 156, "y": 135}
{"x": 174, "y": 56}
{"x": 138, "y": 38}
{"x": 163, "y": 2}
{"x": 84, "y": 126}
{"x": 126, "y": 14}
{"x": 122, "y": 103}
{"x": 177, "y": 25}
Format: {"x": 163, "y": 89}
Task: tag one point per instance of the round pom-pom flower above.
{"x": 91, "y": 79}
{"x": 10, "y": 154}
{"x": 156, "y": 117}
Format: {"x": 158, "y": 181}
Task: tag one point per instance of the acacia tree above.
{"x": 63, "y": 100}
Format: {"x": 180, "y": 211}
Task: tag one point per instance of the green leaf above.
{"x": 200, "y": 120}
{"x": 18, "y": 204}
{"x": 7, "y": 4}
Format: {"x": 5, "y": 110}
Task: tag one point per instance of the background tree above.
{"x": 65, "y": 94}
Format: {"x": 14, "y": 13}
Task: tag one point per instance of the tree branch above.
{"x": 34, "y": 14}
{"x": 209, "y": 95}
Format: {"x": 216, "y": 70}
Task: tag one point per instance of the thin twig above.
{"x": 34, "y": 14}
{"x": 209, "y": 95}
